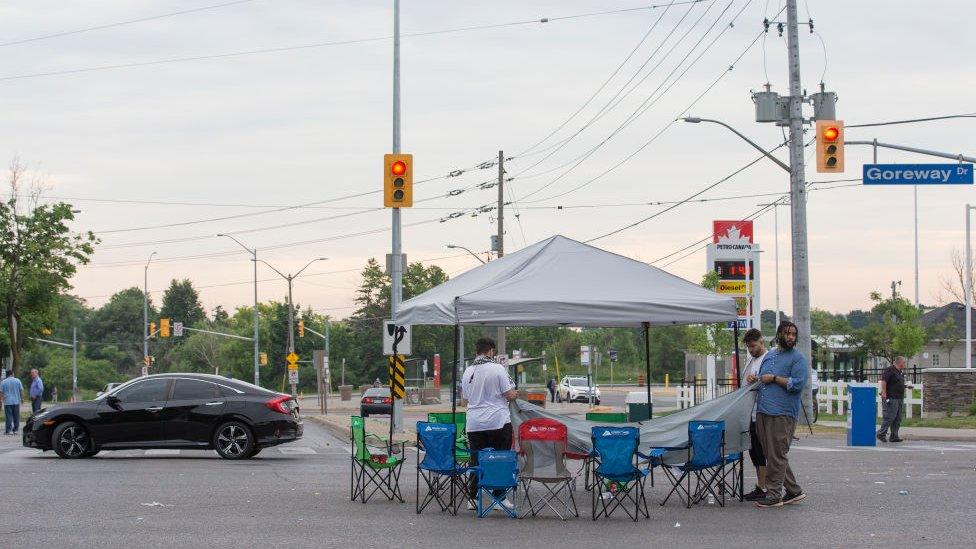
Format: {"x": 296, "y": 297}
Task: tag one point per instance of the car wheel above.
{"x": 70, "y": 440}
{"x": 364, "y": 414}
{"x": 597, "y": 402}
{"x": 234, "y": 441}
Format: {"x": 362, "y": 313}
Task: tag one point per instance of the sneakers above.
{"x": 882, "y": 437}
{"x": 793, "y": 498}
{"x": 508, "y": 505}
{"x": 896, "y": 439}
{"x": 755, "y": 495}
{"x": 769, "y": 501}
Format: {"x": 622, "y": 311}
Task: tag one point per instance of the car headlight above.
{"x": 42, "y": 413}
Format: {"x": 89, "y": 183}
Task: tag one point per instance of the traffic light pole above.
{"x": 396, "y": 270}
{"x": 145, "y": 309}
{"x": 798, "y": 202}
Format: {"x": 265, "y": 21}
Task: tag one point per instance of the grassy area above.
{"x": 957, "y": 422}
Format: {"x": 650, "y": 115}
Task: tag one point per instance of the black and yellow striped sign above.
{"x": 397, "y": 373}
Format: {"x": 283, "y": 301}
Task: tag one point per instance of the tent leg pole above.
{"x": 454, "y": 374}
{"x": 647, "y": 363}
{"x": 735, "y": 336}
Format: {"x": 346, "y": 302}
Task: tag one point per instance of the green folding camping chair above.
{"x": 376, "y": 464}
{"x": 462, "y": 452}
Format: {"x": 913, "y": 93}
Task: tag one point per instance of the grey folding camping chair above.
{"x": 542, "y": 446}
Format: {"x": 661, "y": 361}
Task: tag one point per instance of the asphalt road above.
{"x": 297, "y": 496}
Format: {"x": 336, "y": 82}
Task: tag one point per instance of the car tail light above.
{"x": 367, "y": 400}
{"x": 387, "y": 400}
{"x": 280, "y": 404}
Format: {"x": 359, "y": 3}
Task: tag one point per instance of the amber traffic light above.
{"x": 830, "y": 146}
{"x": 398, "y": 180}
{"x": 163, "y": 327}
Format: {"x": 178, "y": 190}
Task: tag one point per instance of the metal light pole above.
{"x": 74, "y": 363}
{"x": 453, "y": 246}
{"x": 257, "y": 359}
{"x": 145, "y": 310}
{"x": 396, "y": 270}
{"x": 969, "y": 291}
{"x": 291, "y": 309}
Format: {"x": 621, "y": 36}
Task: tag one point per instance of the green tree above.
{"x": 181, "y": 303}
{"x": 117, "y": 326}
{"x": 711, "y": 339}
{"x": 948, "y": 336}
{"x": 824, "y": 325}
{"x": 38, "y": 256}
{"x": 894, "y": 330}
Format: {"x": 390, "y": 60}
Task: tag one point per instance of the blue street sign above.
{"x": 918, "y": 174}
{"x": 743, "y": 324}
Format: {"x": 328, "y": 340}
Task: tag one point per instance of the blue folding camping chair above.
{"x": 617, "y": 482}
{"x": 445, "y": 481}
{"x": 706, "y": 464}
{"x": 497, "y": 478}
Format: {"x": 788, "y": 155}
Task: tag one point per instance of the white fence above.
{"x": 832, "y": 398}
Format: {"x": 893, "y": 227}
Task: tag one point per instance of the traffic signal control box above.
{"x": 830, "y": 146}
{"x": 397, "y": 180}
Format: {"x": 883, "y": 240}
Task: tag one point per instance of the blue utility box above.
{"x": 862, "y": 408}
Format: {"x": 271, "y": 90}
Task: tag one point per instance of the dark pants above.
{"x": 498, "y": 439}
{"x": 891, "y": 413}
{"x": 552, "y": 394}
{"x": 755, "y": 447}
{"x": 35, "y": 404}
{"x": 776, "y": 435}
{"x": 11, "y": 418}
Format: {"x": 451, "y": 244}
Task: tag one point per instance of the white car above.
{"x": 575, "y": 389}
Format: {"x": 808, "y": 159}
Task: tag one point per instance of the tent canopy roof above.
{"x": 562, "y": 282}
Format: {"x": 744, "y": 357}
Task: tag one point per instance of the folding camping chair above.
{"x": 438, "y": 468}
{"x": 542, "y": 445}
{"x": 706, "y": 462}
{"x": 617, "y": 482}
{"x": 588, "y": 460}
{"x": 462, "y": 452}
{"x": 374, "y": 465}
{"x": 497, "y": 478}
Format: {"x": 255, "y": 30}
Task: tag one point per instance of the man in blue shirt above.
{"x": 11, "y": 391}
{"x": 783, "y": 375}
{"x": 36, "y": 391}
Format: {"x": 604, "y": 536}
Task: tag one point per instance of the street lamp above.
{"x": 291, "y": 309}
{"x": 453, "y": 246}
{"x": 696, "y": 120}
{"x": 145, "y": 309}
{"x": 257, "y": 359}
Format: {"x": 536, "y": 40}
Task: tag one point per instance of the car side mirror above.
{"x": 112, "y": 401}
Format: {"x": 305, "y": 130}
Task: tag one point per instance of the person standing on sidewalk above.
{"x": 757, "y": 352}
{"x": 783, "y": 375}
{"x": 36, "y": 391}
{"x": 552, "y": 389}
{"x": 488, "y": 389}
{"x": 11, "y": 394}
{"x": 892, "y": 398}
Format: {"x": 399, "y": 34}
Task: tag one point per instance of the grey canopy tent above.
{"x": 562, "y": 282}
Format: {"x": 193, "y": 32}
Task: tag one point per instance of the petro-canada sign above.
{"x": 732, "y": 235}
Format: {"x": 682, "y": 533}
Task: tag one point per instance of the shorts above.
{"x": 756, "y": 451}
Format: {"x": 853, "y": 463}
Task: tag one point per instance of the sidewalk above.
{"x": 922, "y": 433}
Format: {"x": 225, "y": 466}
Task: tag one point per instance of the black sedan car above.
{"x": 376, "y": 401}
{"x": 181, "y": 411}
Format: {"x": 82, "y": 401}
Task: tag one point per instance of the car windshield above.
{"x": 377, "y": 392}
{"x": 577, "y": 382}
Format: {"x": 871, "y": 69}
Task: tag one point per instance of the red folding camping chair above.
{"x": 542, "y": 446}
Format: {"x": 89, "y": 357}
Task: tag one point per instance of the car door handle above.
{"x": 154, "y": 409}
{"x": 213, "y": 404}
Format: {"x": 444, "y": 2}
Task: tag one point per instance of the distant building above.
{"x": 941, "y": 352}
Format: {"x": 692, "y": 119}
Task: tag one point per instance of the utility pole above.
{"x": 74, "y": 363}
{"x": 396, "y": 292}
{"x": 500, "y": 339}
{"x": 968, "y": 289}
{"x": 798, "y": 202}
{"x": 145, "y": 311}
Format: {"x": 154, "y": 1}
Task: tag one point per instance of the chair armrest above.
{"x": 685, "y": 446}
{"x": 655, "y": 453}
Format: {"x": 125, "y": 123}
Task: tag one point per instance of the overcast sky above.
{"x": 239, "y": 136}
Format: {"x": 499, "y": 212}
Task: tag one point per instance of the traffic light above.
{"x": 263, "y": 359}
{"x": 830, "y": 146}
{"x": 398, "y": 180}
{"x": 152, "y": 328}
{"x": 163, "y": 327}
{"x": 301, "y": 328}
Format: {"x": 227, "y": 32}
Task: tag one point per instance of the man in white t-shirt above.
{"x": 488, "y": 389}
{"x": 757, "y": 352}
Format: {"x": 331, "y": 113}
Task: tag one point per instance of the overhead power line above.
{"x": 912, "y": 120}
{"x": 316, "y": 45}
{"x": 121, "y": 23}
